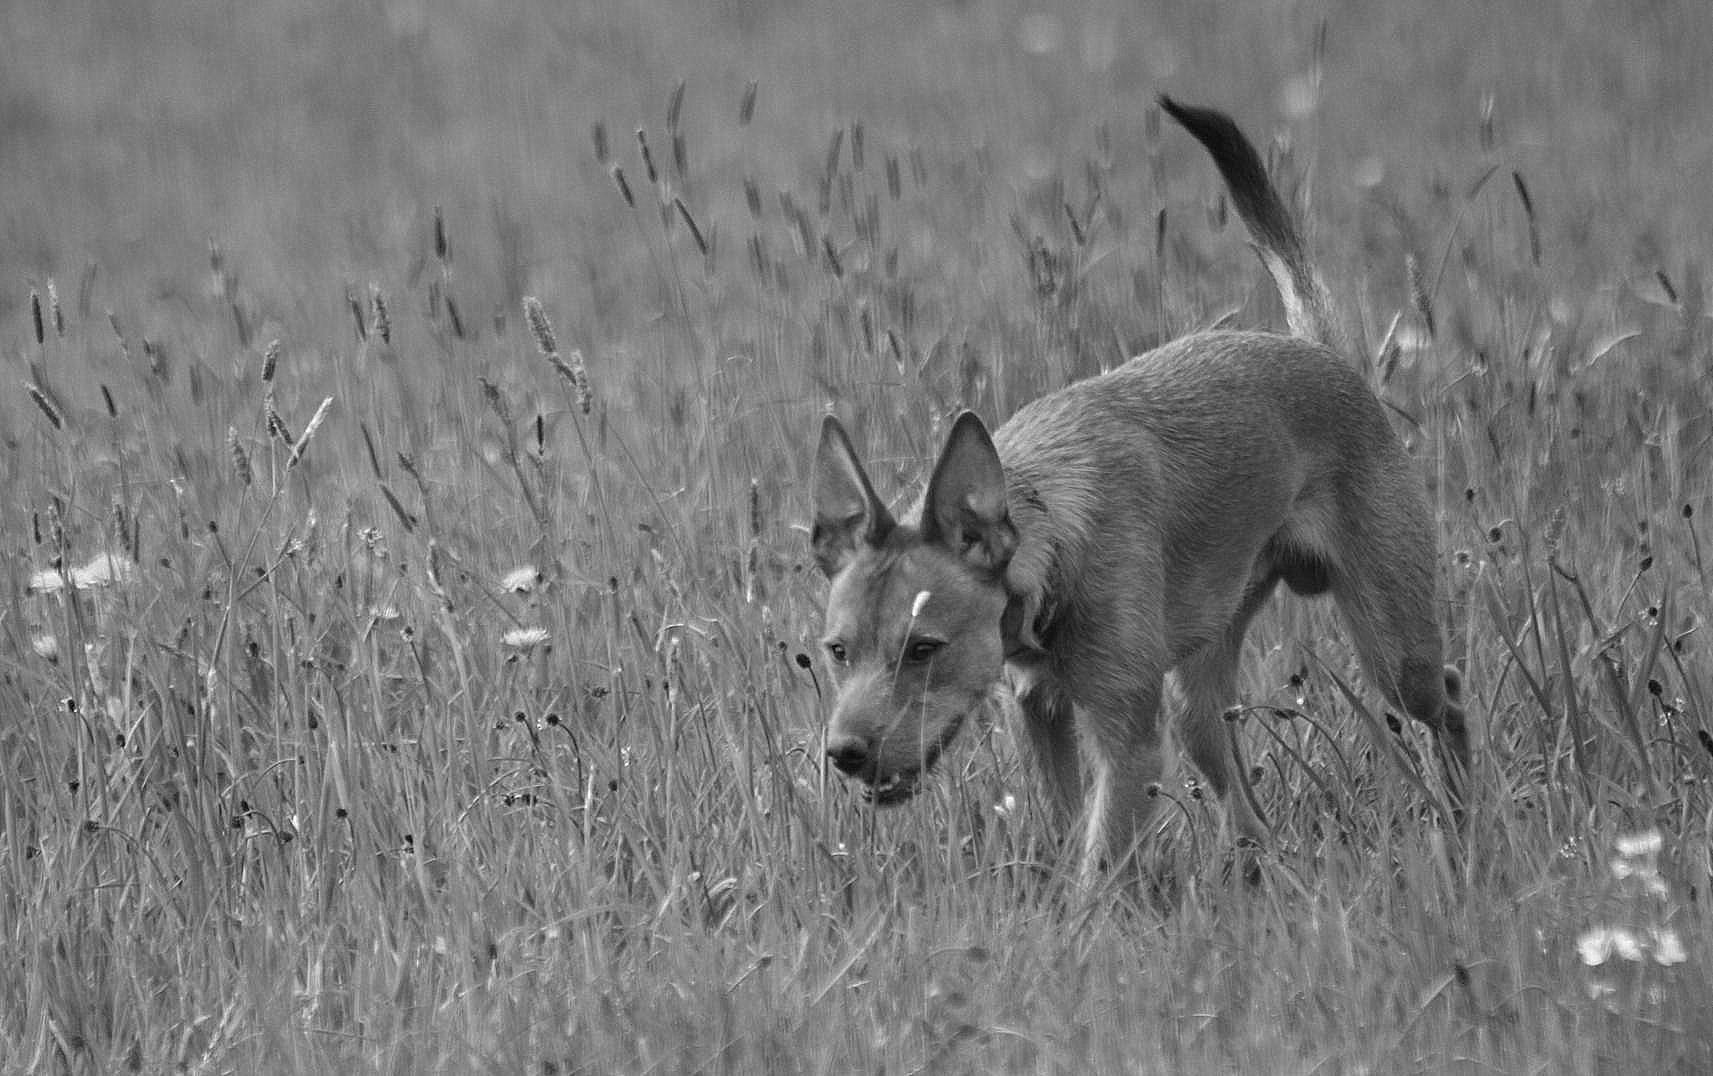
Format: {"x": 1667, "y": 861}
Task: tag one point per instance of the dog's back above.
{"x": 1223, "y": 448}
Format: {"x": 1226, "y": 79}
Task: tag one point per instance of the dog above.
{"x": 1128, "y": 526}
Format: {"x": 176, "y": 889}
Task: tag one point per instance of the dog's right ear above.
{"x": 848, "y": 516}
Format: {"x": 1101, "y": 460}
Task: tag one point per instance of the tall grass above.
{"x": 433, "y": 689}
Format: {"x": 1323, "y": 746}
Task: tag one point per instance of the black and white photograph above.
{"x": 896, "y": 537}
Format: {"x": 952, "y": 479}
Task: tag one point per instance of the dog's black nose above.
{"x": 849, "y": 753}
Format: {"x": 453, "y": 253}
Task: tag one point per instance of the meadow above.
{"x": 408, "y": 648}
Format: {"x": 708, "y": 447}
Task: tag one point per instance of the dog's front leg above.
{"x": 1050, "y": 732}
{"x": 1126, "y": 757}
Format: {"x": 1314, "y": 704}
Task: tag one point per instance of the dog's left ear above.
{"x": 965, "y": 511}
{"x": 848, "y": 515}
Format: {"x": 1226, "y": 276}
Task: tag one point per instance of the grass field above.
{"x": 469, "y": 721}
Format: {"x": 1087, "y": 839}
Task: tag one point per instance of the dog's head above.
{"x": 914, "y": 616}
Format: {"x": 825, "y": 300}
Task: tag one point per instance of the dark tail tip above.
{"x": 1308, "y": 307}
{"x": 1244, "y": 173}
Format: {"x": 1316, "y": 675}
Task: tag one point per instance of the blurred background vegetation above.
{"x": 312, "y": 139}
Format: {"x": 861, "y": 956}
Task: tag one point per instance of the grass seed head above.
{"x": 746, "y": 106}
{"x": 674, "y": 106}
{"x": 647, "y": 157}
{"x": 690, "y": 222}
{"x": 1420, "y": 295}
{"x": 240, "y": 458}
{"x": 1529, "y": 216}
{"x": 454, "y": 317}
{"x": 623, "y": 185}
{"x": 276, "y": 425}
{"x": 36, "y": 316}
{"x": 539, "y": 326}
{"x": 270, "y": 361}
{"x": 1554, "y": 532}
{"x": 119, "y": 334}
{"x": 573, "y": 370}
{"x": 383, "y": 321}
{"x": 315, "y": 421}
{"x": 45, "y": 405}
{"x": 356, "y": 313}
{"x": 404, "y": 517}
{"x": 495, "y": 400}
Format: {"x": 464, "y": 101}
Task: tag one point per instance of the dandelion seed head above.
{"x": 520, "y": 580}
{"x": 525, "y": 638}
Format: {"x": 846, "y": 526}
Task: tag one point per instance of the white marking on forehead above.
{"x": 919, "y": 604}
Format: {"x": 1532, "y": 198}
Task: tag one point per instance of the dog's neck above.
{"x": 1031, "y": 577}
{"x": 1020, "y": 628}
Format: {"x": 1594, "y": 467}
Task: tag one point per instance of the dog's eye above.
{"x": 920, "y": 650}
{"x": 836, "y": 651}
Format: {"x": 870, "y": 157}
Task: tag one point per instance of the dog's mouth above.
{"x": 896, "y": 789}
{"x": 901, "y": 786}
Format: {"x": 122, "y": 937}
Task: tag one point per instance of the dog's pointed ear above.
{"x": 848, "y": 516}
{"x": 965, "y": 511}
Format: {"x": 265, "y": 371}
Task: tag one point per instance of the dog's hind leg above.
{"x": 1384, "y": 585}
{"x": 1209, "y": 681}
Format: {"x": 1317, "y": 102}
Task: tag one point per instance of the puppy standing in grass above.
{"x": 1128, "y": 526}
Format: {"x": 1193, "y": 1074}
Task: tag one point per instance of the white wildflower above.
{"x": 1638, "y": 845}
{"x": 1667, "y": 947}
{"x": 520, "y": 580}
{"x": 1600, "y": 944}
{"x": 104, "y": 569}
{"x": 525, "y": 638}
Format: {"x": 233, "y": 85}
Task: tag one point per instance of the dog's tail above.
{"x": 1308, "y": 304}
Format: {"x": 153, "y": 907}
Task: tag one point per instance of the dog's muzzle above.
{"x": 855, "y": 757}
